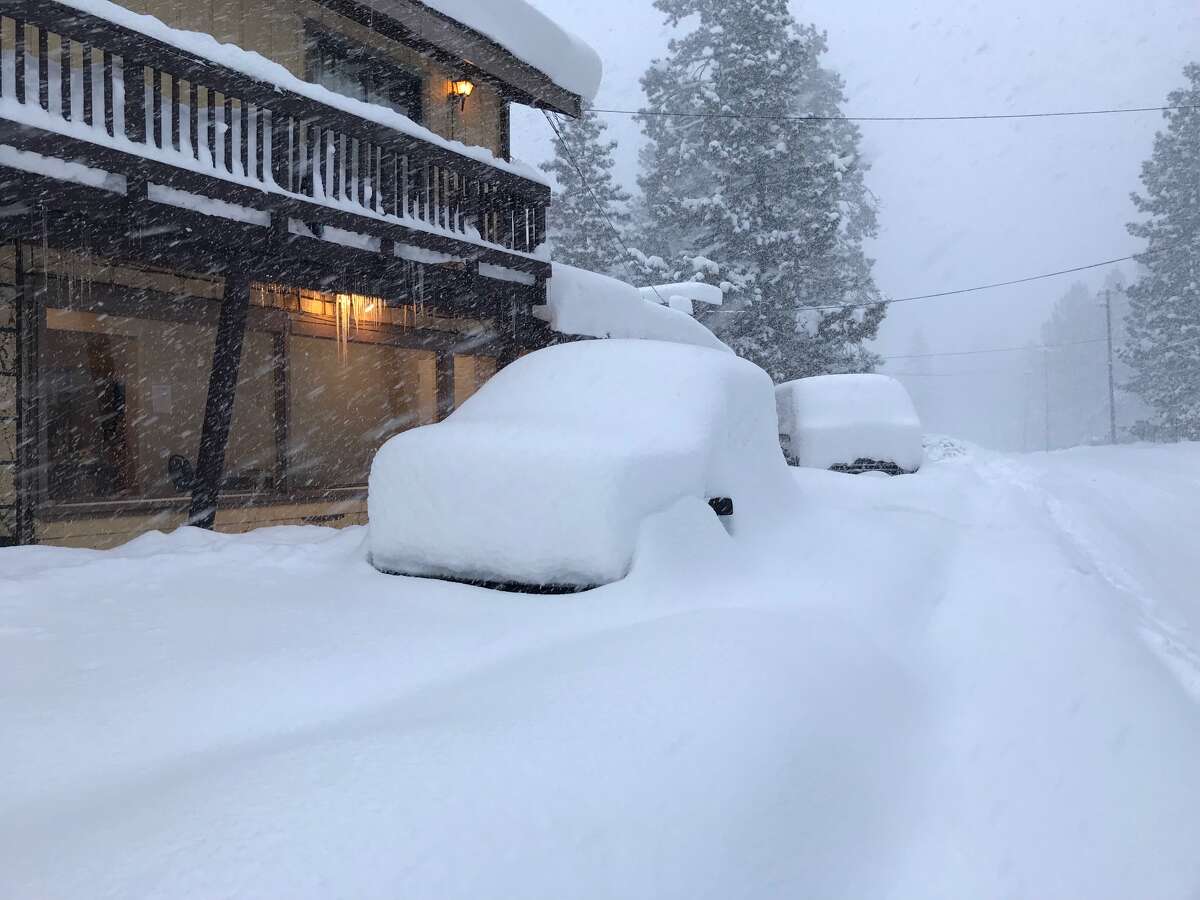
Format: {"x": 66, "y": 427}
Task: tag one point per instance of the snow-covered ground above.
{"x": 979, "y": 681}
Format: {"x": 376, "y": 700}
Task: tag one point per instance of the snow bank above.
{"x": 532, "y": 37}
{"x": 588, "y": 304}
{"x": 839, "y": 419}
{"x": 545, "y": 476}
{"x": 977, "y": 682}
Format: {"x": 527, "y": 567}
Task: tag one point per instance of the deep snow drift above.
{"x": 978, "y": 681}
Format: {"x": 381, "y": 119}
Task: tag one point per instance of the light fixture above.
{"x": 460, "y": 90}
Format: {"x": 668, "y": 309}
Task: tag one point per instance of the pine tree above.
{"x": 780, "y": 207}
{"x": 1164, "y": 315}
{"x": 1076, "y": 358}
{"x": 579, "y": 217}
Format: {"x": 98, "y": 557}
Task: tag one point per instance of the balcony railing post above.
{"x": 173, "y": 105}
{"x": 135, "y": 100}
{"x": 193, "y": 120}
{"x": 64, "y": 75}
{"x": 19, "y": 63}
{"x": 245, "y": 139}
{"x": 227, "y": 134}
{"x": 43, "y": 68}
{"x": 281, "y": 151}
{"x": 88, "y": 104}
{"x": 157, "y": 138}
{"x": 106, "y": 93}
{"x": 210, "y": 127}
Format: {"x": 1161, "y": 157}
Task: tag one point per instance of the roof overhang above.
{"x": 461, "y": 47}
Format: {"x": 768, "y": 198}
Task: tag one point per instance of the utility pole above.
{"x": 1046, "y": 392}
{"x": 1112, "y": 387}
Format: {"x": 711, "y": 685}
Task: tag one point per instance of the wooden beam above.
{"x": 282, "y": 413}
{"x": 445, "y": 384}
{"x": 222, "y": 390}
{"x": 28, "y": 474}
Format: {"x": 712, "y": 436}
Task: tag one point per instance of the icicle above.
{"x": 354, "y": 310}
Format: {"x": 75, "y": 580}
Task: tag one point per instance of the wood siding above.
{"x": 275, "y": 28}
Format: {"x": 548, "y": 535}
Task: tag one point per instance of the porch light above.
{"x": 460, "y": 90}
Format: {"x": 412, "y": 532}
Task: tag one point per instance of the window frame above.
{"x": 321, "y": 43}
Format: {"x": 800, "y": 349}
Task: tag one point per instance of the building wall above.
{"x": 275, "y": 28}
{"x": 8, "y": 405}
{"x": 147, "y": 336}
{"x": 107, "y": 530}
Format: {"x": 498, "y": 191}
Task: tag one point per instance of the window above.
{"x": 344, "y": 406}
{"x": 123, "y": 394}
{"x": 470, "y": 374}
{"x": 357, "y": 71}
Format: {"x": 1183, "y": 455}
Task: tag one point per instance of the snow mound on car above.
{"x": 588, "y": 304}
{"x": 546, "y": 475}
{"x": 839, "y": 419}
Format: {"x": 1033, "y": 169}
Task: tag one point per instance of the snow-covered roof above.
{"x": 532, "y": 37}
{"x": 588, "y": 304}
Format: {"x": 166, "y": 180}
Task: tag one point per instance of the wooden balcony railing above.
{"x": 148, "y": 106}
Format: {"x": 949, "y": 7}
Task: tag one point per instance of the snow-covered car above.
{"x": 850, "y": 423}
{"x": 543, "y": 479}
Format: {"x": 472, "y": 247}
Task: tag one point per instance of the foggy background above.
{"x": 965, "y": 203}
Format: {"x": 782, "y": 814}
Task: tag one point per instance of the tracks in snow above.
{"x": 1173, "y": 644}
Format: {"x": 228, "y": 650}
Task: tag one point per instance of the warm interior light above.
{"x": 461, "y": 89}
{"x": 352, "y": 311}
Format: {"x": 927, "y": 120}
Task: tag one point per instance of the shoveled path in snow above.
{"x": 978, "y": 681}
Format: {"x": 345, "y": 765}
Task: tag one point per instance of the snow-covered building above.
{"x": 246, "y": 241}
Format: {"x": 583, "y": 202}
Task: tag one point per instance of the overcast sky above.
{"x": 962, "y": 203}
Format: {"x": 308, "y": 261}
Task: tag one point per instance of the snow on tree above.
{"x": 1164, "y": 314}
{"x": 579, "y": 218}
{"x": 772, "y": 209}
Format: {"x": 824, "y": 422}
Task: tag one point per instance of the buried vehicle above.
{"x": 542, "y": 480}
{"x": 850, "y": 423}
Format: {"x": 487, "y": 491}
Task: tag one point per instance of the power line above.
{"x": 596, "y": 200}
{"x": 977, "y": 117}
{"x": 999, "y": 284}
{"x": 1006, "y": 372}
{"x": 996, "y": 350}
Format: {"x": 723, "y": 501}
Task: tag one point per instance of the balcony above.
{"x": 143, "y": 130}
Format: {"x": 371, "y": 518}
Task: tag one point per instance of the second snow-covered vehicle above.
{"x": 542, "y": 480}
{"x": 850, "y": 423}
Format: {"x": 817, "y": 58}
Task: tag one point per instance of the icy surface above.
{"x": 548, "y": 473}
{"x": 532, "y": 37}
{"x": 589, "y": 304}
{"x": 839, "y": 419}
{"x": 980, "y": 681}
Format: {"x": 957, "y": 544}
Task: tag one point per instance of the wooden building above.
{"x": 231, "y": 268}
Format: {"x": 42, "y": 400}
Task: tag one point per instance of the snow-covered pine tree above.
{"x": 779, "y": 205}
{"x": 1076, "y": 371}
{"x": 1164, "y": 316}
{"x": 579, "y": 232}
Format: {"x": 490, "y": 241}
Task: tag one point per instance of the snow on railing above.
{"x": 124, "y": 87}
